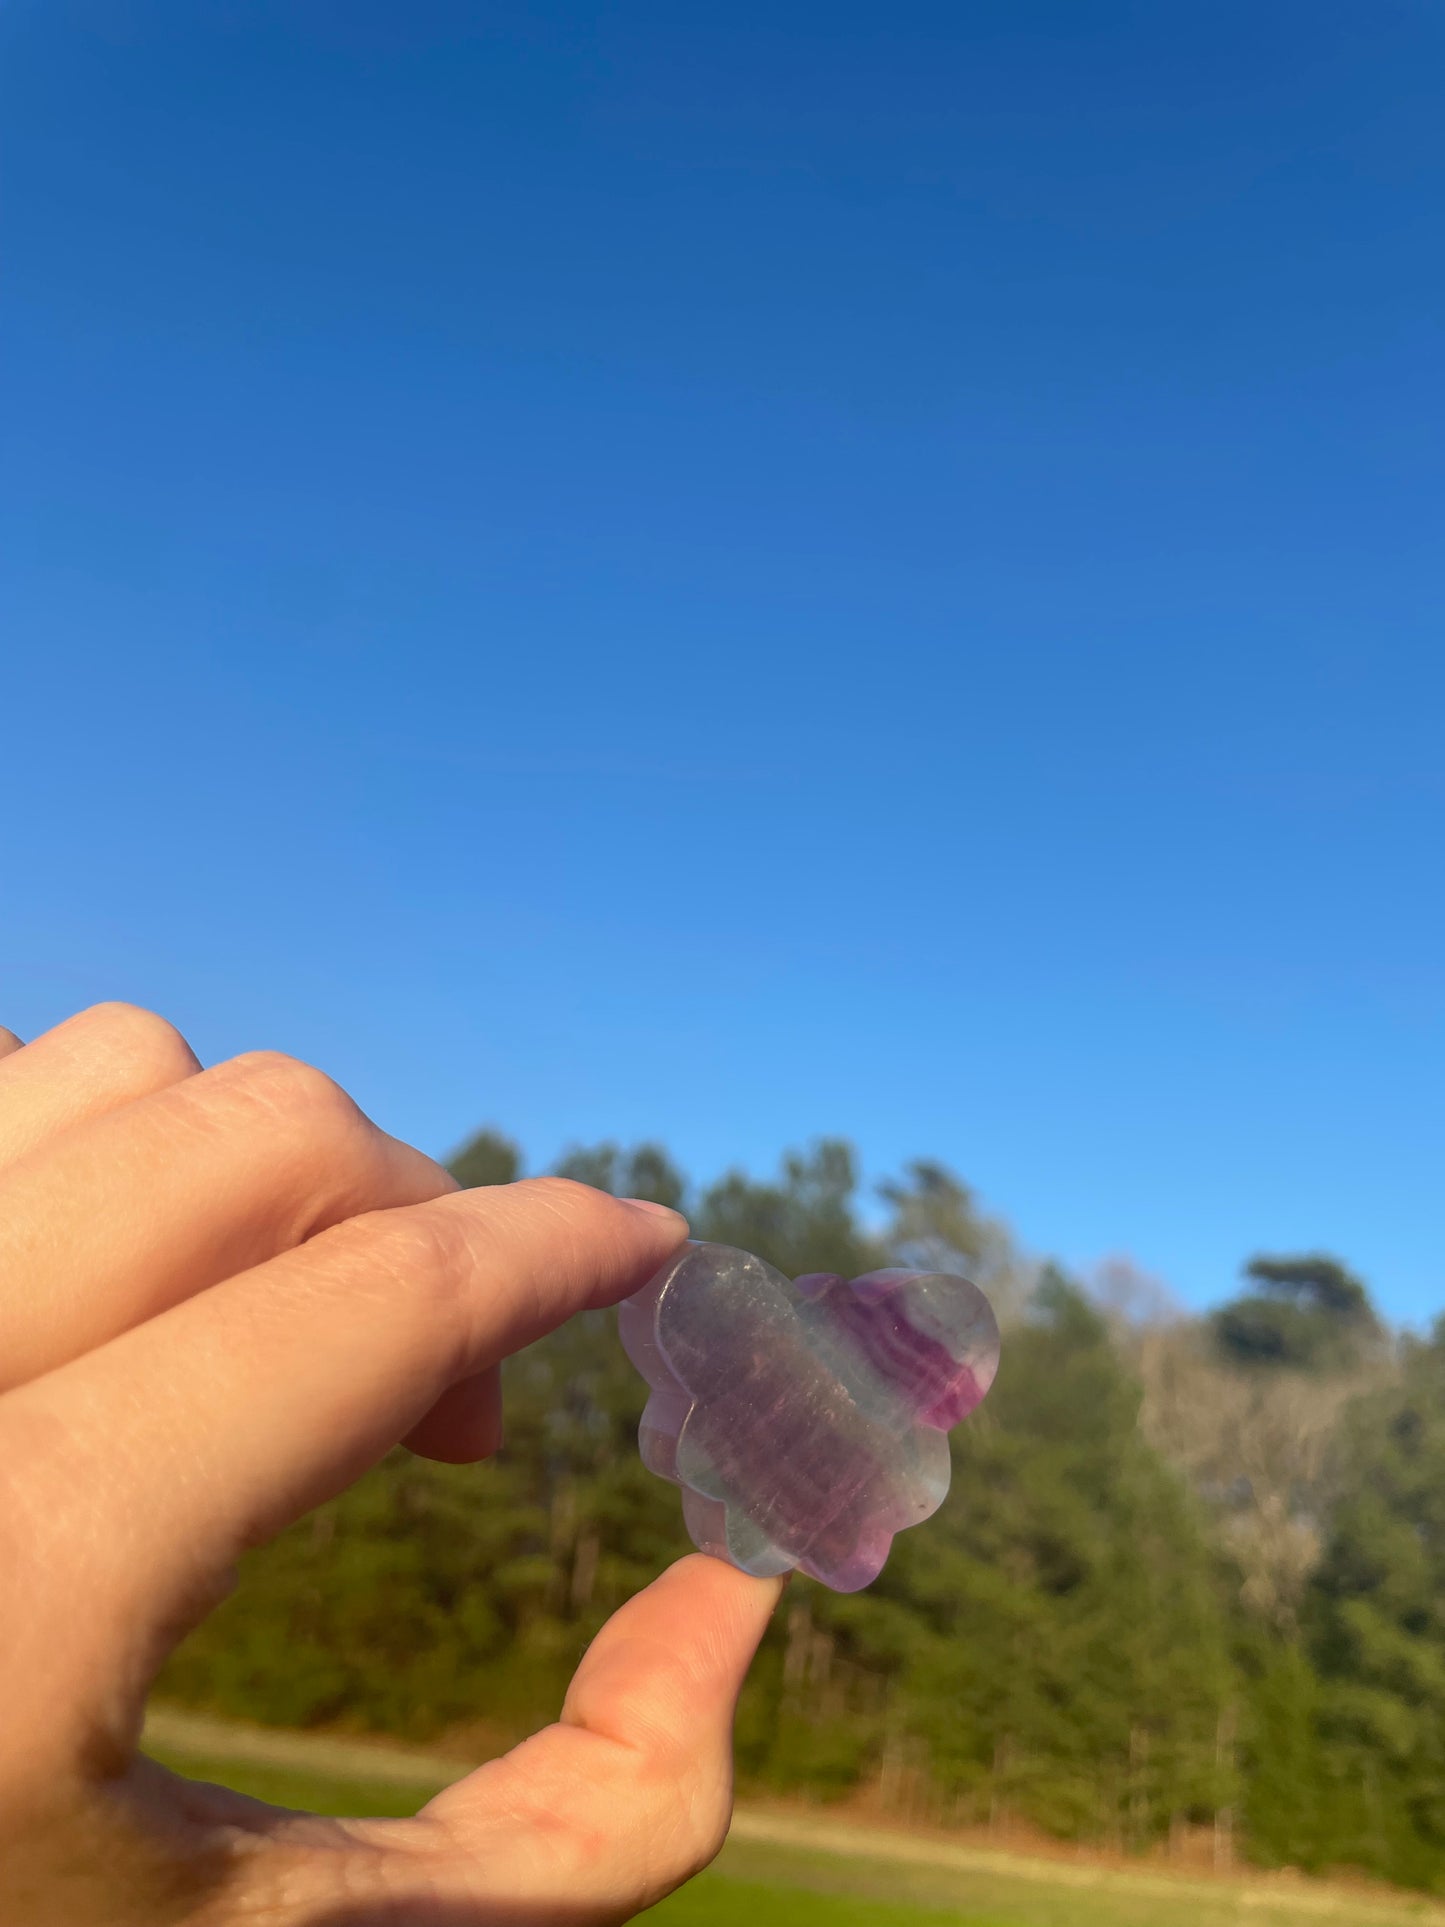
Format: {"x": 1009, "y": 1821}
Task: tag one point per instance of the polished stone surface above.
{"x": 805, "y": 1420}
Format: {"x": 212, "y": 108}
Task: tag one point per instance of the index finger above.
{"x": 150, "y": 1463}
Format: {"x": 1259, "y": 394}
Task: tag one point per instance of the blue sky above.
{"x": 736, "y": 572}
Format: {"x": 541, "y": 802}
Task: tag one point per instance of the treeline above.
{"x": 1189, "y": 1584}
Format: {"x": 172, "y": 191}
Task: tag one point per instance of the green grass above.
{"x": 753, "y": 1885}
{"x": 715, "y": 1900}
{"x": 285, "y": 1787}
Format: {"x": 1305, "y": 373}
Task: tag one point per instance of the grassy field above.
{"x": 766, "y": 1883}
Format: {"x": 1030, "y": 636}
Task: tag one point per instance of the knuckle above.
{"x": 572, "y": 1207}
{"x": 565, "y": 1193}
{"x": 556, "y": 1210}
{"x": 429, "y": 1254}
{"x": 149, "y": 1044}
{"x": 293, "y": 1091}
{"x": 323, "y": 1153}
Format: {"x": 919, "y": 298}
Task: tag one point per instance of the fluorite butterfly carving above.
{"x": 806, "y": 1419}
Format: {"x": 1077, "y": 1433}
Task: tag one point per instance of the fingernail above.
{"x": 655, "y": 1210}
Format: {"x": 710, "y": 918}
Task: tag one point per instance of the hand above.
{"x": 223, "y": 1295}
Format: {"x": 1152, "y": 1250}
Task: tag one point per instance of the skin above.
{"x": 224, "y": 1294}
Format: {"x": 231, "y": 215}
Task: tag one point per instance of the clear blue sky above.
{"x": 732, "y": 572}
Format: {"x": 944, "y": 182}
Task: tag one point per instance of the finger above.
{"x": 9, "y": 1042}
{"x": 640, "y": 1763}
{"x": 181, "y": 1189}
{"x": 590, "y": 1820}
{"x": 90, "y": 1064}
{"x": 465, "y": 1424}
{"x": 153, "y": 1461}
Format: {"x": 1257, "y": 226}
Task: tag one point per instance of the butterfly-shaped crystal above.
{"x": 806, "y": 1419}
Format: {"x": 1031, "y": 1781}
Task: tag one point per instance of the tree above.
{"x": 646, "y": 1171}
{"x": 1131, "y": 1612}
{"x": 1051, "y": 1646}
{"x": 803, "y": 1221}
{"x": 1136, "y": 1304}
{"x": 1255, "y": 1446}
{"x": 1319, "y": 1281}
{"x": 936, "y": 1225}
{"x": 1078, "y": 1669}
{"x": 1376, "y": 1618}
{"x": 1311, "y": 1314}
{"x": 1291, "y": 1802}
{"x": 487, "y": 1158}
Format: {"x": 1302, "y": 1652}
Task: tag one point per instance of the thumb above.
{"x": 631, "y": 1791}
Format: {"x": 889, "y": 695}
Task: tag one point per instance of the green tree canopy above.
{"x": 487, "y": 1158}
{"x": 804, "y": 1220}
{"x": 646, "y": 1171}
{"x": 936, "y": 1224}
{"x": 1068, "y": 1644}
{"x": 1311, "y": 1314}
{"x": 1377, "y": 1621}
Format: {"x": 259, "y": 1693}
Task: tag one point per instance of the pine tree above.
{"x": 1377, "y": 1620}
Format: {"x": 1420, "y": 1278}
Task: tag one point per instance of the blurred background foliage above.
{"x": 1187, "y": 1585}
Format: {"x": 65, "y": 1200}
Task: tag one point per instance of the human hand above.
{"x": 223, "y": 1295}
